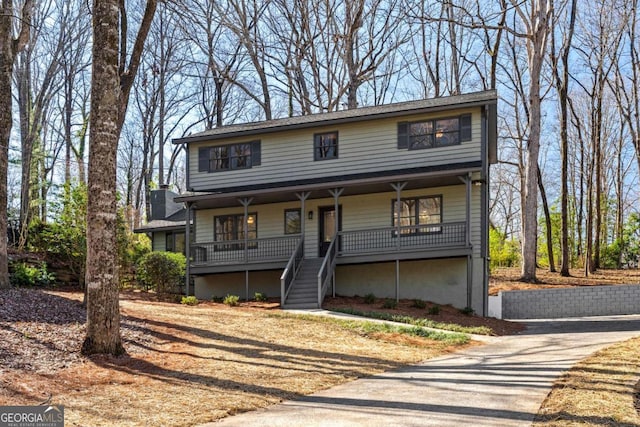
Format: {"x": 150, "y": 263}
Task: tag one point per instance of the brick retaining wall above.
{"x": 571, "y": 302}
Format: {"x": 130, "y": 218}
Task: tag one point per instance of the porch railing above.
{"x": 326, "y": 269}
{"x": 241, "y": 251}
{"x": 411, "y": 237}
{"x": 291, "y": 270}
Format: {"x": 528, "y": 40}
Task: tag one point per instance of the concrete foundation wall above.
{"x": 219, "y": 285}
{"x": 571, "y": 302}
{"x": 443, "y": 281}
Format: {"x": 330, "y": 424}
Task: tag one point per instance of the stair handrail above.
{"x": 326, "y": 269}
{"x": 291, "y": 270}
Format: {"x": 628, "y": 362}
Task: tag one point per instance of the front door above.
{"x": 327, "y": 226}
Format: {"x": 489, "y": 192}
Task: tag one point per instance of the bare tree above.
{"x": 536, "y": 22}
{"x": 599, "y": 46}
{"x": 10, "y": 46}
{"x": 73, "y": 101}
{"x": 560, "y": 66}
{"x": 38, "y": 80}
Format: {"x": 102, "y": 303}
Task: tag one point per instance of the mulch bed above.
{"x": 447, "y": 313}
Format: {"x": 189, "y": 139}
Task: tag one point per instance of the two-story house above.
{"x": 390, "y": 200}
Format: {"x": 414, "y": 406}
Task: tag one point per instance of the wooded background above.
{"x": 564, "y": 194}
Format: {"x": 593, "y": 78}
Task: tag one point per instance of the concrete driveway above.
{"x": 501, "y": 383}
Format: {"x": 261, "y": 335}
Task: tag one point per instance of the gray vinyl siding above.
{"x": 360, "y": 212}
{"x": 363, "y": 147}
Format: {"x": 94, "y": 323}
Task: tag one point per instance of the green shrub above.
{"x": 260, "y": 296}
{"x": 369, "y": 298}
{"x": 231, "y": 300}
{"x": 434, "y": 310}
{"x": 162, "y": 271}
{"x": 27, "y": 275}
{"x": 190, "y": 300}
{"x": 467, "y": 311}
{"x": 217, "y": 299}
{"x": 390, "y": 303}
{"x": 418, "y": 303}
{"x": 503, "y": 252}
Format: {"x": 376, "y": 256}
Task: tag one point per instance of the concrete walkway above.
{"x": 501, "y": 383}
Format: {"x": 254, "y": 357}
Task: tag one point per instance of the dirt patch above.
{"x": 447, "y": 313}
{"x": 185, "y": 365}
{"x": 508, "y": 279}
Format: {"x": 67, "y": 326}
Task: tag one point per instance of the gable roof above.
{"x": 345, "y": 116}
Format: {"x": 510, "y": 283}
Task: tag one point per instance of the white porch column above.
{"x": 398, "y": 186}
{"x": 245, "y": 202}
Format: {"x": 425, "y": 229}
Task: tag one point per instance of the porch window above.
{"x": 434, "y": 133}
{"x": 175, "y": 242}
{"x": 292, "y": 221}
{"x": 232, "y": 228}
{"x": 417, "y": 211}
{"x": 229, "y": 157}
{"x": 325, "y": 146}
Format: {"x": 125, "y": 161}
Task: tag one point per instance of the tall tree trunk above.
{"x": 9, "y": 47}
{"x": 27, "y": 134}
{"x": 536, "y": 46}
{"x": 595, "y": 265}
{"x": 110, "y": 88}
{"x": 103, "y": 312}
{"x": 547, "y": 219}
{"x": 562, "y": 85}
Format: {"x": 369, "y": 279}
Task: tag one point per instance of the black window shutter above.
{"x": 465, "y": 127}
{"x": 256, "y": 154}
{"x": 403, "y": 137}
{"x": 203, "y": 159}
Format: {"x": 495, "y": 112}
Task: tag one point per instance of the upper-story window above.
{"x": 434, "y": 133}
{"x": 325, "y": 146}
{"x": 229, "y": 157}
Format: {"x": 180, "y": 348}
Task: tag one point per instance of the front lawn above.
{"x": 187, "y": 364}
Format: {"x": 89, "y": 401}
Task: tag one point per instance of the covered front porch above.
{"x": 356, "y": 223}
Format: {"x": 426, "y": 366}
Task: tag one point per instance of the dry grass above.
{"x": 202, "y": 363}
{"x": 506, "y": 279}
{"x": 599, "y": 391}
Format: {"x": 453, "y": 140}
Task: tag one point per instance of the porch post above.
{"x": 187, "y": 249}
{"x": 398, "y": 186}
{"x": 336, "y": 192}
{"x": 303, "y": 215}
{"x": 468, "y": 183}
{"x": 245, "y": 203}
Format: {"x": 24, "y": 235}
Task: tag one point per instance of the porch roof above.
{"x": 353, "y": 184}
